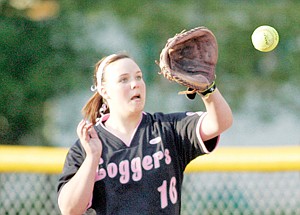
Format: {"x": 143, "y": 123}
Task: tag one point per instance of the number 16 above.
{"x": 172, "y": 192}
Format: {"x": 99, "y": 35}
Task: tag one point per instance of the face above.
{"x": 124, "y": 88}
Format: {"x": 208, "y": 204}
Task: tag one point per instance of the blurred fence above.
{"x": 245, "y": 180}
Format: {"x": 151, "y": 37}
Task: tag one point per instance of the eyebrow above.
{"x": 137, "y": 72}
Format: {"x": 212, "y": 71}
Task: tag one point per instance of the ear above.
{"x": 103, "y": 92}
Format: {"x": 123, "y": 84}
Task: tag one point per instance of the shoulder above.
{"x": 171, "y": 117}
{"x": 76, "y": 152}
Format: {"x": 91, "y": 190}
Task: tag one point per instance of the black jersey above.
{"x": 145, "y": 177}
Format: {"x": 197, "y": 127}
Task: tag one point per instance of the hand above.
{"x": 89, "y": 139}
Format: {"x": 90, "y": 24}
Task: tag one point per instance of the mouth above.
{"x": 136, "y": 97}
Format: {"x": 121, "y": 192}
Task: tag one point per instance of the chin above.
{"x": 138, "y": 109}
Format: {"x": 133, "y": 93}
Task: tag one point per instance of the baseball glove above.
{"x": 189, "y": 58}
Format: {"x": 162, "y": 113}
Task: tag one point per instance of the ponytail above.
{"x": 90, "y": 111}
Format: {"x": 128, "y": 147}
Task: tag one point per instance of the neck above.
{"x": 124, "y": 124}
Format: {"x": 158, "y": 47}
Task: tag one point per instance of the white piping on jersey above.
{"x": 193, "y": 113}
{"x": 201, "y": 143}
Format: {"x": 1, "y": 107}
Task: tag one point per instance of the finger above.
{"x": 86, "y": 131}
{"x": 80, "y": 128}
{"x": 89, "y": 127}
{"x": 93, "y": 133}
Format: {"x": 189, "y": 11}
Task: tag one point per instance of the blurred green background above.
{"x": 48, "y": 49}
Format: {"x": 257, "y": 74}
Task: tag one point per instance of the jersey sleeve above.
{"x": 209, "y": 145}
{"x": 187, "y": 126}
{"x": 73, "y": 161}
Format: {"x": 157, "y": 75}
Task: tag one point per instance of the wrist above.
{"x": 210, "y": 89}
{"x": 93, "y": 159}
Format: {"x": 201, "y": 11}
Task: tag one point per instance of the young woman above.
{"x": 127, "y": 161}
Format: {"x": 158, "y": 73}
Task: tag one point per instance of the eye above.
{"x": 124, "y": 80}
{"x": 139, "y": 77}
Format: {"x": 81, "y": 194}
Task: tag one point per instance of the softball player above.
{"x": 128, "y": 161}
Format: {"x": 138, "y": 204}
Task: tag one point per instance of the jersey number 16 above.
{"x": 164, "y": 192}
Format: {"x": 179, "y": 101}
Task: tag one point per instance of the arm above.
{"x": 75, "y": 195}
{"x": 218, "y": 118}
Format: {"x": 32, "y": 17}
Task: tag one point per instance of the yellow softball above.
{"x": 265, "y": 38}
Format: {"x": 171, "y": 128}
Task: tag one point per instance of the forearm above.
{"x": 76, "y": 194}
{"x": 218, "y": 118}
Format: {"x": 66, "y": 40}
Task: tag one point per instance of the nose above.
{"x": 134, "y": 84}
